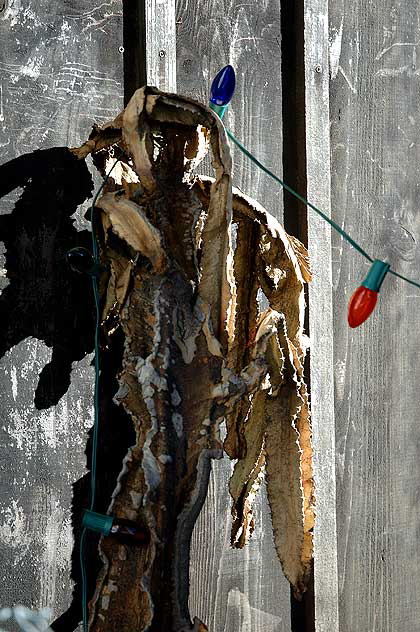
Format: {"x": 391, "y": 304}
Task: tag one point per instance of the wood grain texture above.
{"x": 233, "y": 590}
{"x": 236, "y": 590}
{"x": 161, "y": 44}
{"x": 321, "y": 313}
{"x": 60, "y": 70}
{"x": 213, "y": 34}
{"x": 375, "y": 125}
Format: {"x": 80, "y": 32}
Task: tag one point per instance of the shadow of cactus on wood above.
{"x": 44, "y": 298}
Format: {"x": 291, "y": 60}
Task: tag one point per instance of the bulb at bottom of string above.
{"x": 125, "y": 531}
{"x": 80, "y": 260}
{"x": 128, "y": 532}
{"x": 364, "y": 299}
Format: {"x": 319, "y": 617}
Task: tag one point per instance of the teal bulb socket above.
{"x": 97, "y": 522}
{"x": 376, "y": 275}
{"x": 219, "y": 109}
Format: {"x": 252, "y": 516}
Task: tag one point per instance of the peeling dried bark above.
{"x": 270, "y": 433}
{"x": 197, "y": 351}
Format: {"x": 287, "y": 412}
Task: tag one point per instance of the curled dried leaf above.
{"x": 281, "y": 419}
{"x": 129, "y": 222}
{"x": 101, "y": 137}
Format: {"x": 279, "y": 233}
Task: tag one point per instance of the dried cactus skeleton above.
{"x": 198, "y": 351}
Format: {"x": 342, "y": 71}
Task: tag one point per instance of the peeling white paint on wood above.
{"x": 14, "y": 530}
{"x": 37, "y": 38}
{"x": 42, "y": 455}
{"x": 335, "y": 50}
{"x": 26, "y": 429}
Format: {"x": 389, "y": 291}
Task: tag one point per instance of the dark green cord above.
{"x": 95, "y": 287}
{"x": 336, "y": 227}
{"x": 400, "y": 276}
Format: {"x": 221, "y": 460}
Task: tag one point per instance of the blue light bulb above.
{"x": 223, "y": 86}
{"x": 222, "y": 89}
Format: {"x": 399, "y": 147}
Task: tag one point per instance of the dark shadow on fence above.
{"x": 44, "y": 299}
{"x": 48, "y": 301}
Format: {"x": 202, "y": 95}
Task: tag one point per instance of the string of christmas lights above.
{"x": 363, "y": 301}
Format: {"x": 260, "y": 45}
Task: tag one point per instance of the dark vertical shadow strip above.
{"x": 296, "y": 213}
{"x": 293, "y": 100}
{"x": 134, "y": 38}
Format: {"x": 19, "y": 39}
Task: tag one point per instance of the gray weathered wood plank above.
{"x": 375, "y": 125}
{"x": 211, "y": 35}
{"x": 321, "y": 313}
{"x": 161, "y": 44}
{"x": 232, "y": 590}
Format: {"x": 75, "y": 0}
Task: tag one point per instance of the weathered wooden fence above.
{"x": 333, "y": 93}
{"x": 60, "y": 69}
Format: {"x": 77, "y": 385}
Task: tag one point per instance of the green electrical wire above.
{"x": 95, "y": 253}
{"x": 400, "y": 276}
{"x": 95, "y": 287}
{"x": 297, "y": 195}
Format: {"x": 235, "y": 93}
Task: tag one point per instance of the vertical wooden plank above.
{"x": 60, "y": 70}
{"x": 161, "y": 44}
{"x": 375, "y": 127}
{"x": 320, "y": 314}
{"x": 149, "y": 45}
{"x": 235, "y": 590}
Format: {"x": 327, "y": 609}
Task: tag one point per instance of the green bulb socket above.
{"x": 376, "y": 275}
{"x": 97, "y": 522}
{"x": 219, "y": 109}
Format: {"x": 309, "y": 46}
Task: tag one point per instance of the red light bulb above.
{"x": 363, "y": 301}
{"x": 361, "y": 305}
